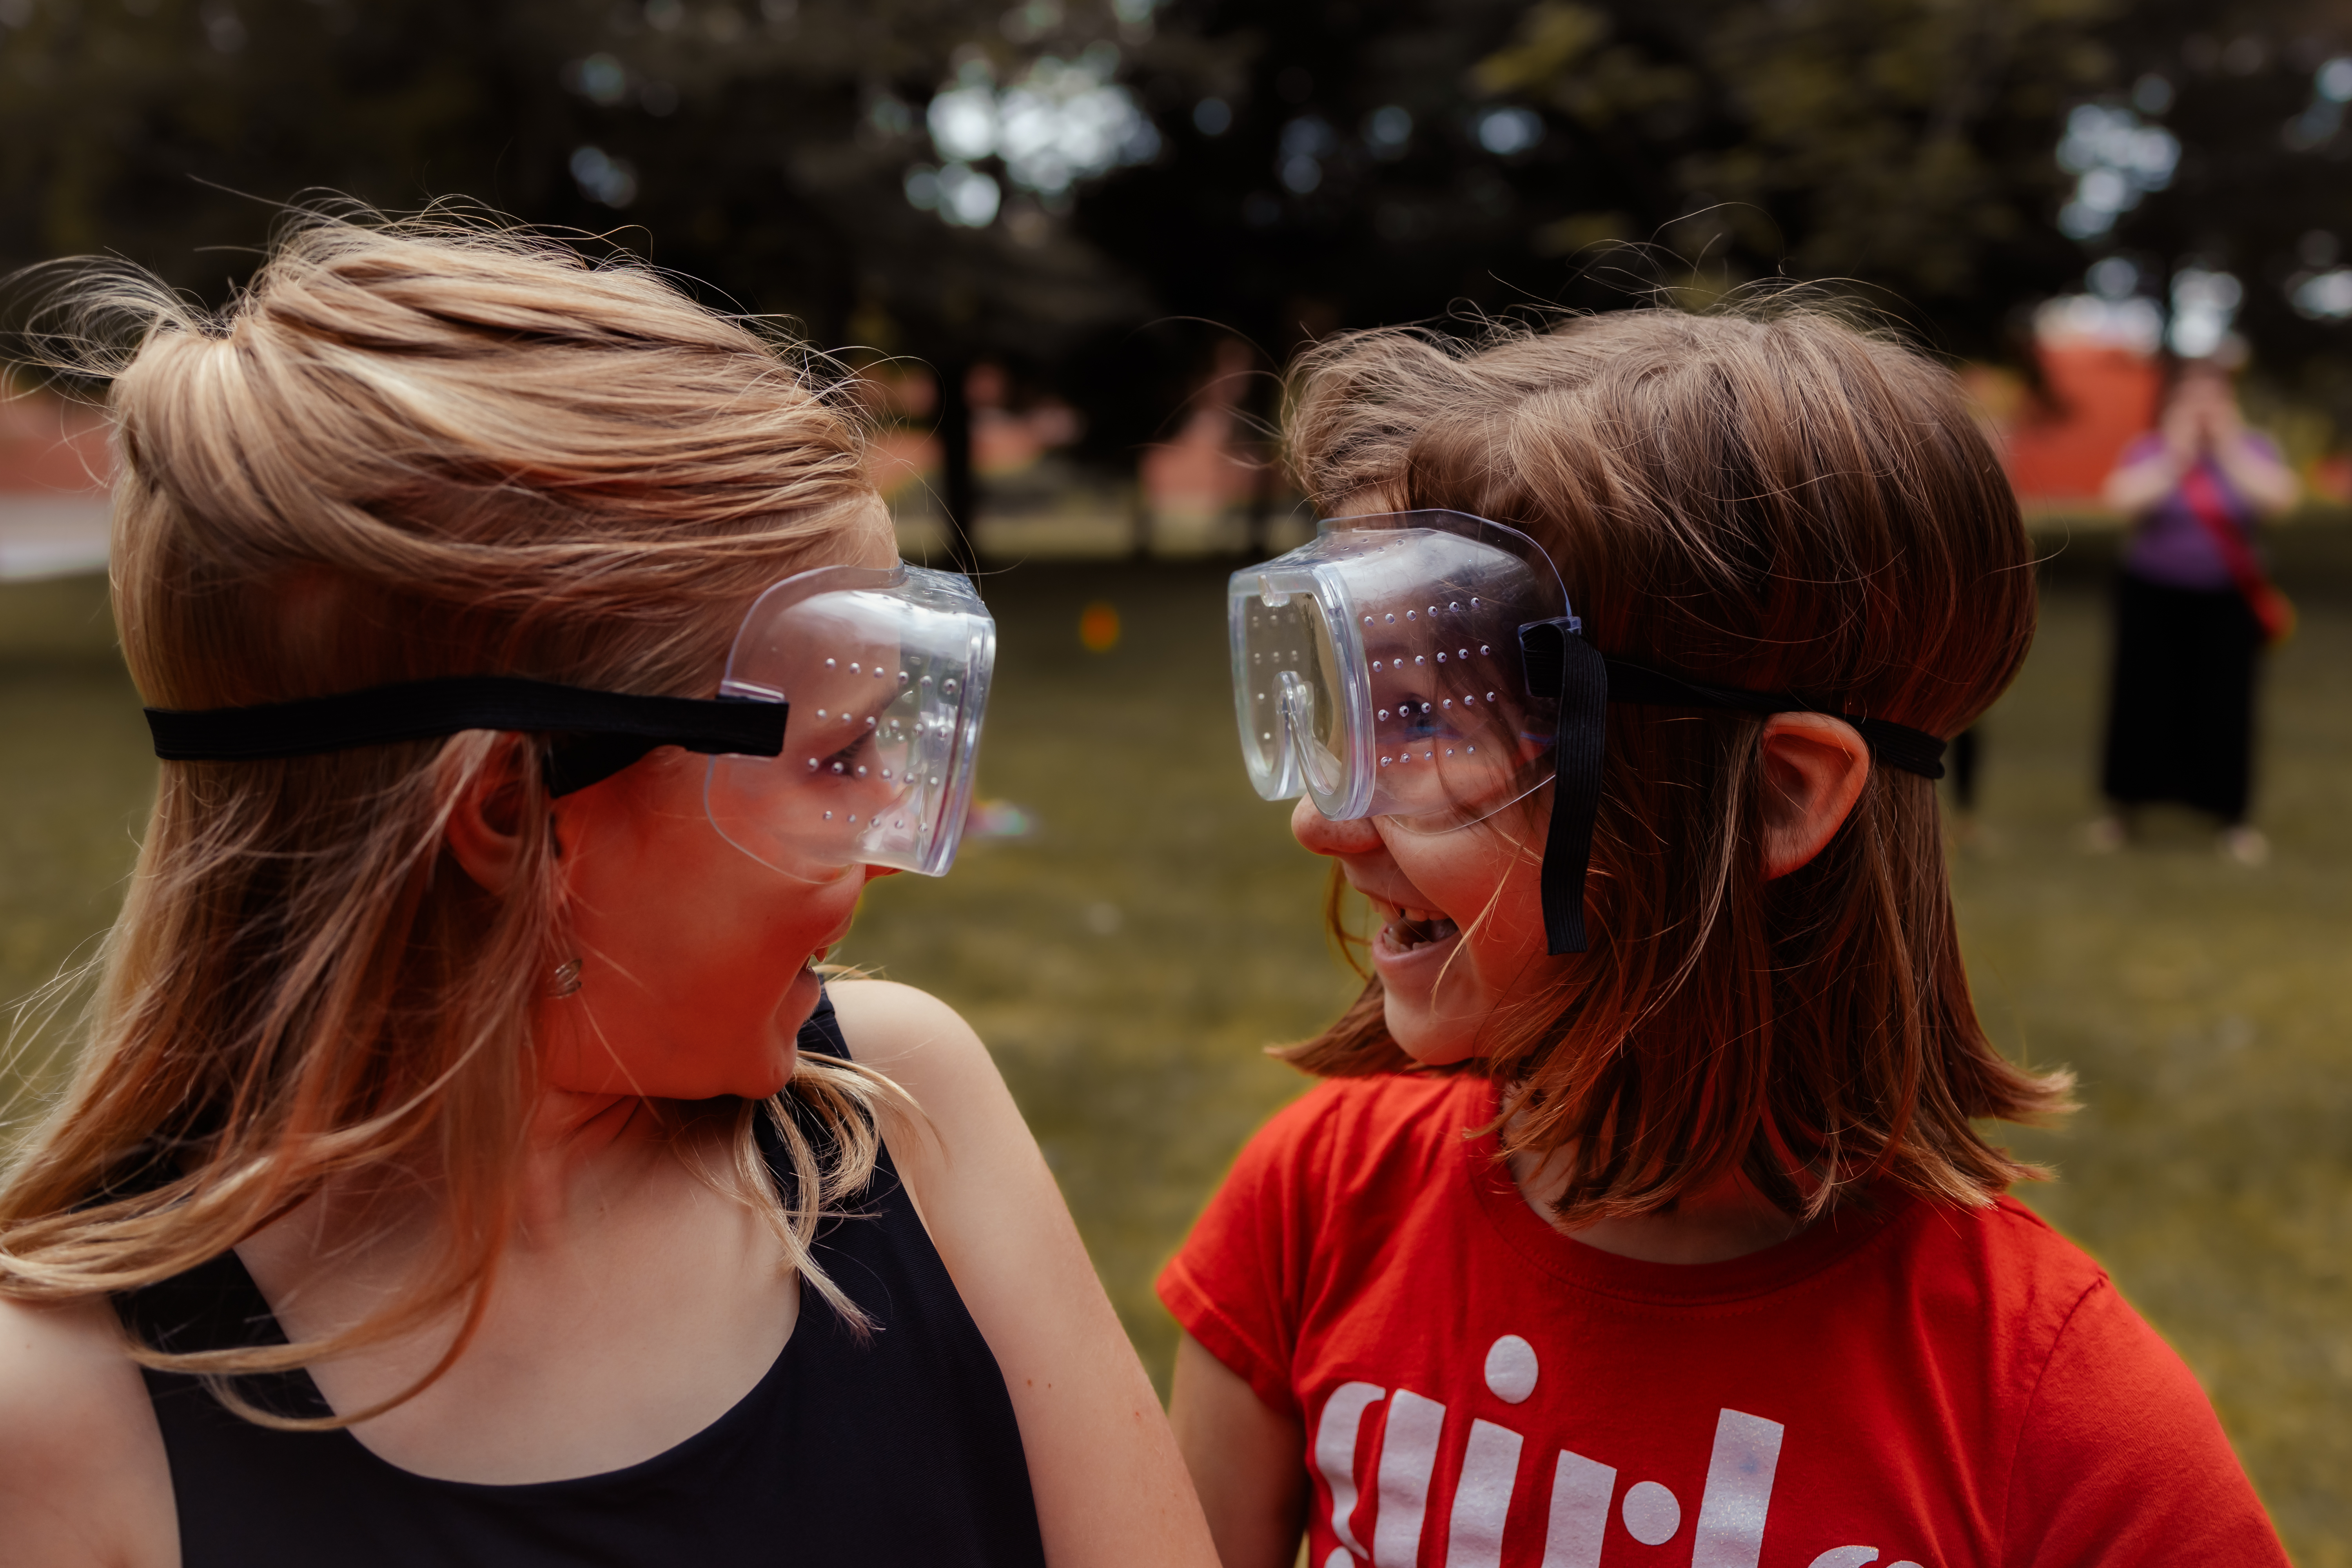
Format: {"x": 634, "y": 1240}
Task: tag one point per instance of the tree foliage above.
{"x": 764, "y": 151}
{"x": 2263, "y": 186}
{"x": 1307, "y": 164}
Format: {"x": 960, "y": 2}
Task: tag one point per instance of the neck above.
{"x": 581, "y": 1154}
{"x": 1730, "y": 1218}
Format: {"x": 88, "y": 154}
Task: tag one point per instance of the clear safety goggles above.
{"x": 845, "y": 731}
{"x": 886, "y": 673}
{"x": 1426, "y": 668}
{"x": 1377, "y": 670}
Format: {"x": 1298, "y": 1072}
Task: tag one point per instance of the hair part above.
{"x": 408, "y": 448}
{"x": 1761, "y": 497}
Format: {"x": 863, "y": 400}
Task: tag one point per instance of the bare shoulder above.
{"x": 1109, "y": 1485}
{"x": 972, "y": 1167}
{"x": 885, "y": 1022}
{"x": 969, "y": 1119}
{"x": 83, "y": 1477}
{"x": 921, "y": 1044}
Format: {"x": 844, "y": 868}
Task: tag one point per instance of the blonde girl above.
{"x": 1646, "y": 1214}
{"x": 465, "y": 1161}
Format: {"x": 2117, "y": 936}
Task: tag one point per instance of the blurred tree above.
{"x": 1415, "y": 151}
{"x": 767, "y": 151}
{"x": 1324, "y": 170}
{"x": 1362, "y": 160}
{"x": 1092, "y": 191}
{"x": 1901, "y": 142}
{"x": 2254, "y": 222}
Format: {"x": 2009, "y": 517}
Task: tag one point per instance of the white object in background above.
{"x": 51, "y": 536}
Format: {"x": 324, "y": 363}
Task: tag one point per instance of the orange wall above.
{"x": 2100, "y": 395}
{"x": 47, "y": 446}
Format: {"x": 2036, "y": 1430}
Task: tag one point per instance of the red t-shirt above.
{"x": 1924, "y": 1386}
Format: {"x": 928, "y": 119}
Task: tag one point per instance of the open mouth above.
{"x": 1418, "y": 928}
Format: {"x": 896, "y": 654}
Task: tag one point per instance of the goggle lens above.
{"x": 1378, "y": 669}
{"x": 887, "y": 673}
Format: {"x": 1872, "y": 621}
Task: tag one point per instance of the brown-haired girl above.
{"x": 1643, "y": 1217}
{"x": 465, "y": 1162}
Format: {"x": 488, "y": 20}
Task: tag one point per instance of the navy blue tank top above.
{"x": 899, "y": 1448}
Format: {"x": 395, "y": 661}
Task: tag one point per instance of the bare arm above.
{"x": 84, "y": 1482}
{"x": 2259, "y": 476}
{"x": 1248, "y": 1462}
{"x": 2135, "y": 487}
{"x": 1109, "y": 1484}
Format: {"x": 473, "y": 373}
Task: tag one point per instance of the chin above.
{"x": 774, "y": 1078}
{"x": 1431, "y": 1042}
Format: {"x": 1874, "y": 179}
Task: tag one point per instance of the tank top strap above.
{"x": 217, "y": 1306}
{"x": 822, "y": 1036}
{"x": 822, "y": 1033}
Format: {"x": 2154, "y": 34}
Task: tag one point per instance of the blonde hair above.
{"x": 1764, "y": 497}
{"x": 409, "y": 448}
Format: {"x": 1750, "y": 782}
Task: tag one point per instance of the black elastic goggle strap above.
{"x": 598, "y": 733}
{"x": 1558, "y": 659}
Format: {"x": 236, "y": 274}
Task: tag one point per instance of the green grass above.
{"x": 1127, "y": 960}
{"x": 75, "y": 781}
{"x": 2207, "y": 1008}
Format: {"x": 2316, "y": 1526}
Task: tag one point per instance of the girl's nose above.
{"x": 1319, "y": 833}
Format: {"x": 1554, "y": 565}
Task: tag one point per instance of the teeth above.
{"x": 1418, "y": 928}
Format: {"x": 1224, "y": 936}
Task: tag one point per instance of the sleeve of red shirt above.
{"x": 1236, "y": 1283}
{"x": 2122, "y": 1460}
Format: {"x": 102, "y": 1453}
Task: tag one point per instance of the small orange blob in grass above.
{"x": 1098, "y": 627}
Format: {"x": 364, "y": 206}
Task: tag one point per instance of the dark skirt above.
{"x": 2180, "y": 710}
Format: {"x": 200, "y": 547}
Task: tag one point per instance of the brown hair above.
{"x": 407, "y": 449}
{"x": 1771, "y": 499}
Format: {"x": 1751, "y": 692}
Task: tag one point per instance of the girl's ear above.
{"x": 485, "y": 832}
{"x": 1814, "y": 768}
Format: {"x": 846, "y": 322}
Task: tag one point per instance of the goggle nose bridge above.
{"x": 1322, "y": 773}
{"x": 1288, "y": 704}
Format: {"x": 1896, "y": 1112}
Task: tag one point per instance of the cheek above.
{"x": 658, "y": 893}
{"x": 1508, "y": 938}
{"x": 695, "y": 981}
{"x": 1476, "y": 875}
{"x": 713, "y": 926}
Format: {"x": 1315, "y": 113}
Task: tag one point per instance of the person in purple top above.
{"x": 2189, "y": 608}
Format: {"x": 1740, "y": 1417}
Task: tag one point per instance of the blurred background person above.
{"x": 2192, "y": 608}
